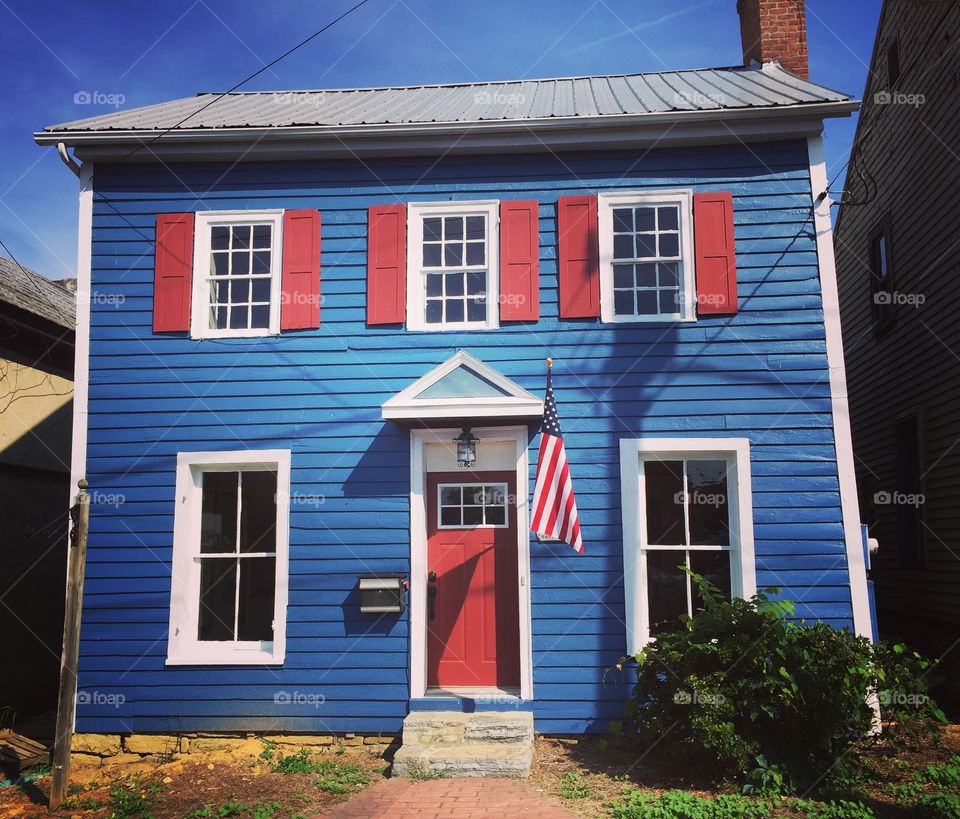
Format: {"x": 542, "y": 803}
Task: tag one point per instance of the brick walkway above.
{"x": 449, "y": 799}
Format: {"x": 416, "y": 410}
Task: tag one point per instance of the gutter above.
{"x": 68, "y": 160}
{"x": 344, "y": 133}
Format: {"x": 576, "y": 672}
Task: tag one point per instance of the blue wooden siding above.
{"x": 762, "y": 374}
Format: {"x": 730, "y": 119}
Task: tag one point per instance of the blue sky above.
{"x": 144, "y": 52}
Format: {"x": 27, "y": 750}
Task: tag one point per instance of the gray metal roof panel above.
{"x": 607, "y": 95}
{"x": 28, "y": 290}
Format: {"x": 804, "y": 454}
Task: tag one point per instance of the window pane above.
{"x": 258, "y": 580}
{"x": 669, "y": 302}
{"x": 475, "y": 227}
{"x": 220, "y": 264}
{"x": 450, "y": 496}
{"x": 238, "y": 318}
{"x": 476, "y": 283}
{"x": 454, "y": 284}
{"x": 431, "y": 255}
{"x": 475, "y": 252}
{"x": 666, "y": 589}
{"x": 496, "y": 515}
{"x": 220, "y": 291}
{"x": 258, "y": 512}
{"x": 218, "y": 512}
{"x": 664, "y": 503}
{"x": 219, "y": 238}
{"x": 452, "y": 254}
{"x": 477, "y": 310}
{"x": 454, "y": 311}
{"x": 623, "y": 247}
{"x": 453, "y": 227}
{"x": 647, "y": 303}
{"x": 623, "y": 275}
{"x": 261, "y": 235}
{"x": 450, "y": 516}
{"x": 668, "y": 218}
{"x": 434, "y": 284}
{"x": 669, "y": 245}
{"x": 434, "y": 312}
{"x": 707, "y": 503}
{"x": 473, "y": 496}
{"x": 261, "y": 290}
{"x": 261, "y": 261}
{"x": 241, "y": 236}
{"x": 240, "y": 290}
{"x": 472, "y": 515}
{"x": 646, "y": 219}
{"x": 646, "y": 245}
{"x": 669, "y": 274}
{"x": 431, "y": 229}
{"x": 646, "y": 275}
{"x": 623, "y": 220}
{"x": 218, "y": 578}
{"x": 260, "y": 317}
{"x": 623, "y": 303}
{"x": 218, "y": 318}
{"x": 712, "y": 566}
{"x": 241, "y": 264}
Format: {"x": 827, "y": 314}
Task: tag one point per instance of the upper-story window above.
{"x": 237, "y": 263}
{"x": 452, "y": 266}
{"x": 646, "y": 256}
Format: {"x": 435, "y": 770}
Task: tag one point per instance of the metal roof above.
{"x": 30, "y": 291}
{"x": 714, "y": 89}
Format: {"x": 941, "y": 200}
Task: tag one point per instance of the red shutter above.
{"x": 519, "y": 261}
{"x": 300, "y": 282}
{"x": 173, "y": 272}
{"x": 578, "y": 259}
{"x": 386, "y": 264}
{"x": 715, "y": 255}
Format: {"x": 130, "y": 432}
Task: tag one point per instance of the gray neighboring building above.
{"x": 897, "y": 247}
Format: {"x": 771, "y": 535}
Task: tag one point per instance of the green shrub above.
{"x": 938, "y": 806}
{"x": 946, "y": 774}
{"x": 775, "y": 703}
{"x": 840, "y": 809}
{"x": 684, "y": 805}
{"x": 299, "y": 763}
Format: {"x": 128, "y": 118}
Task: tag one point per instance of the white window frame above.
{"x": 200, "y": 312}
{"x": 634, "y": 452}
{"x": 183, "y": 646}
{"x": 416, "y": 291}
{"x": 606, "y": 202}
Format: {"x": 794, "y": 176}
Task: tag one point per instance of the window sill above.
{"x": 201, "y": 657}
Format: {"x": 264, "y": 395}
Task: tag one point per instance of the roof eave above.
{"x": 542, "y": 134}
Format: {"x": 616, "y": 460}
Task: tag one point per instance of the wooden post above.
{"x": 67, "y": 699}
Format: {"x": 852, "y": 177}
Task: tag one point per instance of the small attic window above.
{"x": 893, "y": 63}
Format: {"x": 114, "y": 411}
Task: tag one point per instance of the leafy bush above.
{"x": 774, "y": 702}
{"x": 840, "y": 809}
{"x": 684, "y": 805}
{"x": 938, "y": 806}
{"x": 946, "y": 774}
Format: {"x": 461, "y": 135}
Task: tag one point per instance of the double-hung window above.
{"x": 452, "y": 266}
{"x": 236, "y": 281}
{"x": 686, "y": 503}
{"x": 229, "y": 585}
{"x": 646, "y": 256}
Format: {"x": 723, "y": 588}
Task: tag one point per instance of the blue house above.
{"x": 296, "y": 301}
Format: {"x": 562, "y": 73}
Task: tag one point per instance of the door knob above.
{"x": 432, "y": 577}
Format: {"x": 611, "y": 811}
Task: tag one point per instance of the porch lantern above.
{"x": 466, "y": 448}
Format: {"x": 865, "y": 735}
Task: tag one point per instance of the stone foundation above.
{"x": 109, "y": 749}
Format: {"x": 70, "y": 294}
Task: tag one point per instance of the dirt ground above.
{"x": 584, "y": 774}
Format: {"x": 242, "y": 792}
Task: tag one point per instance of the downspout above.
{"x": 68, "y": 160}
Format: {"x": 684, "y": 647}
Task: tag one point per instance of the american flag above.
{"x": 554, "y": 506}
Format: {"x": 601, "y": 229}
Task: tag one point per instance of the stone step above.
{"x": 476, "y": 759}
{"x": 455, "y": 728}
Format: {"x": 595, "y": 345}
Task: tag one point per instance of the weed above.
{"x": 129, "y": 802}
{"x": 938, "y": 806}
{"x": 231, "y": 809}
{"x": 683, "y": 805}
{"x": 339, "y": 779}
{"x": 261, "y": 811}
{"x": 573, "y": 787}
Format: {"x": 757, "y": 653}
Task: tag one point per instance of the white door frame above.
{"x": 419, "y": 438}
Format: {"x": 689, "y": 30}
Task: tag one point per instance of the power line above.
{"x": 29, "y": 277}
{"x": 247, "y": 79}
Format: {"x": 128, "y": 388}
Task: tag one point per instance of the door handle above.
{"x": 431, "y": 597}
{"x": 432, "y": 577}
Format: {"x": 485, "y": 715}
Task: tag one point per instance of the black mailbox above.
{"x": 381, "y": 593}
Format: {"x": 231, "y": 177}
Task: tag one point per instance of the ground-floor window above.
{"x": 229, "y": 584}
{"x": 686, "y": 505}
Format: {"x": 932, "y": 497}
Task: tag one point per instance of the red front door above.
{"x": 473, "y": 625}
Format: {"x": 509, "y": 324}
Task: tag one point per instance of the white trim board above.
{"x": 81, "y": 349}
{"x": 843, "y": 437}
{"x": 419, "y": 440}
{"x": 740, "y": 509}
{"x": 518, "y": 403}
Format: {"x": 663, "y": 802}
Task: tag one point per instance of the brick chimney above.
{"x": 775, "y": 30}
